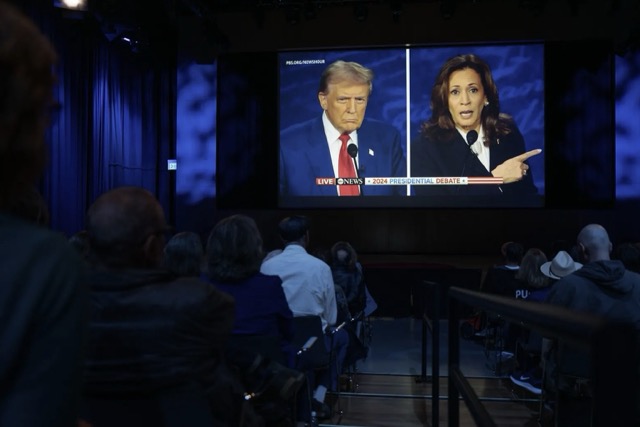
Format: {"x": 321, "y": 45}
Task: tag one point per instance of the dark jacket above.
{"x": 150, "y": 330}
{"x": 604, "y": 288}
{"x": 304, "y": 156}
{"x": 449, "y": 156}
{"x": 351, "y": 281}
{"x": 43, "y": 312}
{"x": 601, "y": 287}
{"x": 261, "y": 309}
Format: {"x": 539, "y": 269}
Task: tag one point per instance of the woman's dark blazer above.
{"x": 451, "y": 156}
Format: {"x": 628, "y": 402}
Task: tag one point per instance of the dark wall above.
{"x": 436, "y": 231}
{"x": 422, "y": 22}
{"x": 449, "y": 231}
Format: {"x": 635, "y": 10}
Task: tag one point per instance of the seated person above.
{"x": 602, "y": 287}
{"x": 530, "y": 282}
{"x": 347, "y": 274}
{"x": 500, "y": 277}
{"x": 151, "y": 332}
{"x": 309, "y": 289}
{"x": 349, "y": 283}
{"x": 183, "y": 254}
{"x": 500, "y": 280}
{"x": 530, "y": 372}
{"x": 234, "y": 254}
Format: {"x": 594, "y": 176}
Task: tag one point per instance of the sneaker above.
{"x": 528, "y": 380}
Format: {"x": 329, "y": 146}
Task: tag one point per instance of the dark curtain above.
{"x": 116, "y": 121}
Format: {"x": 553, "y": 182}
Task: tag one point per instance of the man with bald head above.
{"x": 126, "y": 229}
{"x": 150, "y": 332}
{"x": 602, "y": 287}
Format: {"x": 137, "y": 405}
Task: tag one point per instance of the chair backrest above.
{"x": 183, "y": 406}
{"x": 268, "y": 346}
{"x": 316, "y": 356}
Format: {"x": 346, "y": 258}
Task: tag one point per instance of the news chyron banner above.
{"x": 441, "y": 180}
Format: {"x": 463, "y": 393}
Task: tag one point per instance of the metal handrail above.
{"x": 613, "y": 347}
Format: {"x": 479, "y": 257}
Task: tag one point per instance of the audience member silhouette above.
{"x": 499, "y": 278}
{"x": 184, "y": 254}
{"x": 150, "y": 332}
{"x": 530, "y": 283}
{"x": 530, "y": 359}
{"x": 342, "y": 305}
{"x": 234, "y": 255}
{"x": 602, "y": 287}
{"x": 309, "y": 289}
{"x": 526, "y": 283}
{"x": 349, "y": 282}
{"x": 43, "y": 297}
{"x": 347, "y": 274}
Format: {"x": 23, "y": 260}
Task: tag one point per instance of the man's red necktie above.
{"x": 346, "y": 169}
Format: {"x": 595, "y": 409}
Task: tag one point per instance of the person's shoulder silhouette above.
{"x": 42, "y": 295}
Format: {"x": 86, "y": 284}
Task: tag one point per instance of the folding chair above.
{"x": 177, "y": 407}
{"x": 312, "y": 355}
{"x": 271, "y": 385}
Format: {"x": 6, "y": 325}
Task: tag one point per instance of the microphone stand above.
{"x": 352, "y": 149}
{"x": 472, "y": 137}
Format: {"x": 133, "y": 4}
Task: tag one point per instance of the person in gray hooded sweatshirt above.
{"x": 602, "y": 287}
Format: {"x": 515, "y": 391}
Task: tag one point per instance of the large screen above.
{"x": 409, "y": 135}
{"x": 394, "y": 159}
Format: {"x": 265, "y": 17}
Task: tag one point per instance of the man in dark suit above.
{"x": 319, "y": 148}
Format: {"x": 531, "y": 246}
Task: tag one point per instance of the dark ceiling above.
{"x": 244, "y": 25}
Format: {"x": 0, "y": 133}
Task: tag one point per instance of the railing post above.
{"x": 423, "y": 363}
{"x": 454, "y": 362}
{"x": 435, "y": 358}
{"x": 425, "y": 326}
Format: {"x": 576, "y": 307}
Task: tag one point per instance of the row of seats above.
{"x": 188, "y": 406}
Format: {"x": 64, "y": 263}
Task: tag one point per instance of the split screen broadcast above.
{"x": 450, "y": 125}
{"x": 522, "y": 124}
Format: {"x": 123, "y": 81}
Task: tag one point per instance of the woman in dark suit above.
{"x": 468, "y": 136}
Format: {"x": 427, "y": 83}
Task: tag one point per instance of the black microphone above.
{"x": 472, "y": 137}
{"x": 352, "y": 149}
